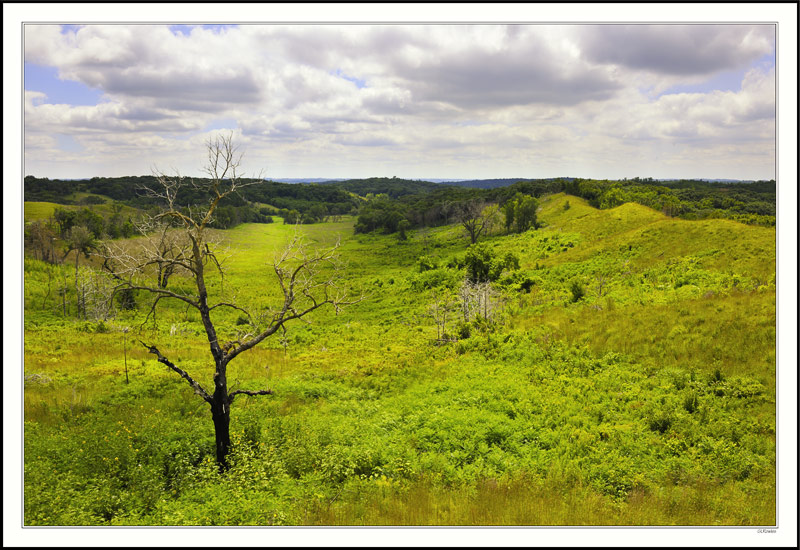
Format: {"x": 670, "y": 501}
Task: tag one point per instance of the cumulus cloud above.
{"x": 203, "y": 71}
{"x": 514, "y": 68}
{"x": 109, "y": 117}
{"x": 718, "y": 116}
{"x": 676, "y": 49}
{"x": 455, "y": 97}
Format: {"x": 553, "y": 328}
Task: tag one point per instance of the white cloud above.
{"x": 321, "y": 98}
{"x": 718, "y": 116}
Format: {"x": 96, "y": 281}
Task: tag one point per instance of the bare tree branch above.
{"x": 233, "y": 306}
{"x": 304, "y": 290}
{"x": 165, "y": 294}
{"x": 151, "y": 311}
{"x": 198, "y": 389}
{"x": 248, "y": 392}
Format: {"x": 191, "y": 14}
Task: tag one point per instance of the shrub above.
{"x": 426, "y": 263}
{"x": 577, "y": 291}
{"x": 479, "y": 263}
{"x": 660, "y": 422}
{"x": 691, "y": 403}
{"x": 482, "y": 265}
{"x": 403, "y": 226}
{"x": 435, "y": 278}
{"x": 526, "y": 284}
{"x": 126, "y": 299}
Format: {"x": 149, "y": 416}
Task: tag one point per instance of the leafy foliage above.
{"x": 380, "y": 213}
{"x": 483, "y": 265}
{"x": 520, "y": 213}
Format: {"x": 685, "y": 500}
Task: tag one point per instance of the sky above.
{"x": 417, "y": 101}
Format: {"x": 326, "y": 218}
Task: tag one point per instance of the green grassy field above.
{"x": 43, "y": 210}
{"x": 649, "y": 401}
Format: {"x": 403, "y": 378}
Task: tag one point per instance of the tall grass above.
{"x": 520, "y": 502}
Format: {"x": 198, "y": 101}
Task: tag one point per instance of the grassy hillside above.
{"x": 649, "y": 400}
{"x": 653, "y": 281}
{"x": 41, "y": 210}
{"x": 34, "y": 210}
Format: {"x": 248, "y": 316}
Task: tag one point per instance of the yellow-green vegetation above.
{"x": 42, "y": 210}
{"x": 628, "y": 380}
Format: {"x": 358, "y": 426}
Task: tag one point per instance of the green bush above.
{"x": 577, "y": 290}
{"x": 691, "y": 403}
{"x": 426, "y": 263}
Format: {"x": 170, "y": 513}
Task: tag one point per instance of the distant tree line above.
{"x": 299, "y": 203}
{"x": 392, "y": 187}
{"x": 97, "y": 225}
{"x": 751, "y": 203}
{"x": 393, "y": 204}
{"x": 446, "y": 204}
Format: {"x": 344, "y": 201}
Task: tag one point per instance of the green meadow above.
{"x": 627, "y": 379}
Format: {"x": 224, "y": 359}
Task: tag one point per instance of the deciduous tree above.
{"x": 520, "y": 212}
{"x": 39, "y": 241}
{"x": 476, "y": 217}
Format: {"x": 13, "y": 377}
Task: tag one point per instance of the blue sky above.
{"x": 45, "y": 79}
{"x": 726, "y": 81}
{"x": 359, "y": 82}
{"x": 186, "y": 30}
{"x": 432, "y": 101}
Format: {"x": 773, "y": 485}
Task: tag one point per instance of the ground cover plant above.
{"x": 625, "y": 375}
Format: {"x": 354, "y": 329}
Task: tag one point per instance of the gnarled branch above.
{"x": 198, "y": 389}
{"x": 248, "y": 392}
{"x": 304, "y": 288}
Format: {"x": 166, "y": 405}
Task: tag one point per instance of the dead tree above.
{"x": 166, "y": 244}
{"x": 94, "y": 290}
{"x": 81, "y": 240}
{"x": 440, "y": 310}
{"x": 479, "y": 301}
{"x": 308, "y": 279}
{"x": 488, "y": 302}
{"x": 476, "y": 217}
{"x": 466, "y": 296}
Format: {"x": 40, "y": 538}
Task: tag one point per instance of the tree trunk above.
{"x": 163, "y": 275}
{"x": 221, "y": 413}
